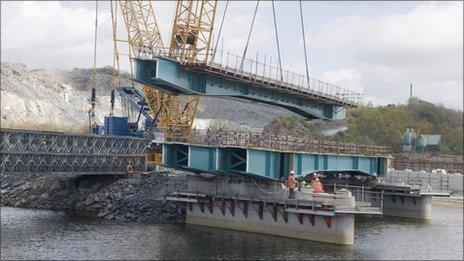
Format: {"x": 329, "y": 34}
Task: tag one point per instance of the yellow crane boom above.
{"x": 192, "y": 30}
{"x": 190, "y": 42}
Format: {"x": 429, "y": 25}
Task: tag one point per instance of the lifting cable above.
{"x": 219, "y": 33}
{"x": 277, "y": 41}
{"x": 94, "y": 74}
{"x": 249, "y": 35}
{"x": 114, "y": 22}
{"x": 304, "y": 44}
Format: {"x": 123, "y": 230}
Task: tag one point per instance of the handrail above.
{"x": 273, "y": 74}
{"x": 275, "y": 142}
{"x": 265, "y": 72}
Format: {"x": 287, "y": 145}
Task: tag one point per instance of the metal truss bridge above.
{"x": 249, "y": 154}
{"x": 30, "y": 151}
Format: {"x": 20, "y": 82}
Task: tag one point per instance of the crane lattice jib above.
{"x": 172, "y": 113}
{"x": 144, "y": 35}
{"x": 192, "y": 30}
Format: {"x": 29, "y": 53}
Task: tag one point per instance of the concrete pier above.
{"x": 412, "y": 206}
{"x": 408, "y": 201}
{"x": 266, "y": 209}
{"x": 338, "y": 229}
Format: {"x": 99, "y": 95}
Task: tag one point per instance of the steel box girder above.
{"x": 267, "y": 164}
{"x": 171, "y": 77}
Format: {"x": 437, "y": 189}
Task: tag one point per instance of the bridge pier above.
{"x": 338, "y": 229}
{"x": 410, "y": 206}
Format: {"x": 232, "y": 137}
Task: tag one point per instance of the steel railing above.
{"x": 364, "y": 196}
{"x": 424, "y": 181}
{"x": 275, "y": 142}
{"x": 248, "y": 189}
{"x": 265, "y": 73}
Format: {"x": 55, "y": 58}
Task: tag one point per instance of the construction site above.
{"x": 254, "y": 181}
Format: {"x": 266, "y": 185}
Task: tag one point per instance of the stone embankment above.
{"x": 138, "y": 198}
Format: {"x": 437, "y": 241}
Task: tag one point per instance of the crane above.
{"x": 190, "y": 41}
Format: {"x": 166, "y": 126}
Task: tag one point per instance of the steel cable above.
{"x": 249, "y": 35}
{"x": 304, "y": 44}
{"x": 277, "y": 41}
{"x": 220, "y": 30}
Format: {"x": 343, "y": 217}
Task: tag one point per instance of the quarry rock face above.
{"x": 48, "y": 98}
{"x": 59, "y": 100}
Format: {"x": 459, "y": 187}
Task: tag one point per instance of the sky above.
{"x": 377, "y": 48}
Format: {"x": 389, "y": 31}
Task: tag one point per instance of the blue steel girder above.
{"x": 170, "y": 76}
{"x": 268, "y": 164}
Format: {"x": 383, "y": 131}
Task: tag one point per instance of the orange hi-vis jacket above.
{"x": 291, "y": 181}
{"x": 317, "y": 186}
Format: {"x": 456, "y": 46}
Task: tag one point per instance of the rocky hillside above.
{"x": 59, "y": 100}
{"x": 383, "y": 125}
{"x": 54, "y": 100}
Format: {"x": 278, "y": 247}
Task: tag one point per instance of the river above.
{"x": 41, "y": 234}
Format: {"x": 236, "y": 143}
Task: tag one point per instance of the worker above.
{"x": 291, "y": 184}
{"x": 94, "y": 127}
{"x": 129, "y": 169}
{"x": 316, "y": 184}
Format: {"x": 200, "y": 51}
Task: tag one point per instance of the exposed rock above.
{"x": 139, "y": 198}
{"x": 56, "y": 185}
{"x": 59, "y": 100}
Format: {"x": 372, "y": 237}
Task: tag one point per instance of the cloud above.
{"x": 47, "y": 34}
{"x": 60, "y": 35}
{"x": 379, "y": 54}
{"x": 386, "y": 53}
{"x": 344, "y": 77}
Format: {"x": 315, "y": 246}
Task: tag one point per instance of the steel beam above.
{"x": 172, "y": 77}
{"x": 268, "y": 164}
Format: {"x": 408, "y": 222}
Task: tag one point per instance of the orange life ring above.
{"x": 129, "y": 169}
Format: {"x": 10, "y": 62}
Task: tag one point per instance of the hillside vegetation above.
{"x": 385, "y": 125}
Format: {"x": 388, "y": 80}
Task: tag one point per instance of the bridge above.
{"x": 271, "y": 157}
{"x": 30, "y": 151}
{"x": 251, "y": 154}
{"x": 249, "y": 80}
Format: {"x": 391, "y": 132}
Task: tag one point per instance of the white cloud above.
{"x": 386, "y": 53}
{"x": 344, "y": 77}
{"x": 378, "y": 54}
{"x": 47, "y": 34}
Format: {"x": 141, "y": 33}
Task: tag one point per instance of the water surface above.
{"x": 39, "y": 234}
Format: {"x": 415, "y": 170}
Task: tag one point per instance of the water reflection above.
{"x": 34, "y": 234}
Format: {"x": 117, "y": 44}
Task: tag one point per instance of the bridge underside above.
{"x": 26, "y": 151}
{"x": 201, "y": 79}
{"x": 268, "y": 164}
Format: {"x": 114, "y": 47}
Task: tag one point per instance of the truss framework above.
{"x": 144, "y": 39}
{"x": 192, "y": 30}
{"x": 24, "y": 151}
